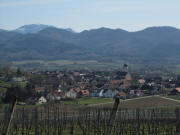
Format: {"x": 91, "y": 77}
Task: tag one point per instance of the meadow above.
{"x": 68, "y": 64}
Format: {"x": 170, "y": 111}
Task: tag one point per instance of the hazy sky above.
{"x": 130, "y": 15}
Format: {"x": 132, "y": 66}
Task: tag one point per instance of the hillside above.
{"x": 151, "y": 45}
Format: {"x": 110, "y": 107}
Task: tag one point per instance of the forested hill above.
{"x": 157, "y": 44}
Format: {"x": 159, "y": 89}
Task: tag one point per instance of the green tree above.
{"x": 18, "y": 72}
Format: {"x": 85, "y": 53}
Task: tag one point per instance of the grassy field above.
{"x": 72, "y": 105}
{"x": 17, "y": 106}
{"x": 88, "y": 101}
{"x": 144, "y": 102}
{"x": 68, "y": 64}
{"x": 5, "y": 84}
{"x": 174, "y": 97}
{"x": 8, "y": 84}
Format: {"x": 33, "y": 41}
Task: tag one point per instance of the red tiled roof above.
{"x": 178, "y": 89}
{"x": 85, "y": 92}
{"x": 122, "y": 94}
{"x": 115, "y": 81}
{"x": 39, "y": 89}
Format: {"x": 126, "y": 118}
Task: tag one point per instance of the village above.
{"x": 45, "y": 86}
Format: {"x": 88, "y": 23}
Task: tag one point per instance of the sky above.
{"x": 131, "y": 15}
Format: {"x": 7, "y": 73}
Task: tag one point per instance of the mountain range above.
{"x": 44, "y": 42}
{"x": 34, "y": 28}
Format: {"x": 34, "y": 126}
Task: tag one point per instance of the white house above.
{"x": 94, "y": 93}
{"x": 71, "y": 94}
{"x": 101, "y": 93}
{"x": 110, "y": 94}
{"x": 42, "y": 100}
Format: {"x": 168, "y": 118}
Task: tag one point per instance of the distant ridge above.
{"x": 151, "y": 45}
{"x": 2, "y": 30}
{"x": 34, "y": 28}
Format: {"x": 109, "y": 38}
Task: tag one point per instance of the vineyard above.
{"x": 56, "y": 119}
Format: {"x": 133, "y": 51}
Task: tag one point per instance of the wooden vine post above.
{"x": 9, "y": 116}
{"x": 112, "y": 117}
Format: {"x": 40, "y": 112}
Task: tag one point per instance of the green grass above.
{"x": 23, "y": 84}
{"x": 5, "y": 84}
{"x": 9, "y": 84}
{"x": 71, "y": 65}
{"x": 95, "y": 100}
{"x": 88, "y": 101}
{"x": 174, "y": 97}
{"x": 4, "y": 105}
{"x": 21, "y": 106}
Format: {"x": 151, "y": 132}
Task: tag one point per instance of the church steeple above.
{"x": 125, "y": 67}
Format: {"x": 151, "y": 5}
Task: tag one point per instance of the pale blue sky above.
{"x": 79, "y": 15}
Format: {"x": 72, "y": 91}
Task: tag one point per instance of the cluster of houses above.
{"x": 123, "y": 84}
{"x": 120, "y": 84}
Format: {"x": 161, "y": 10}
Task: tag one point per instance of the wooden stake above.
{"x": 9, "y": 115}
{"x": 112, "y": 117}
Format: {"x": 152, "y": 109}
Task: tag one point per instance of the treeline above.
{"x": 22, "y": 93}
{"x": 21, "y": 89}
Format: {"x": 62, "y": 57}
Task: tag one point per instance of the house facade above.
{"x": 71, "y": 94}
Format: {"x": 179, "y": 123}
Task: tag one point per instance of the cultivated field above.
{"x": 152, "y": 115}
{"x": 68, "y": 64}
{"x": 55, "y": 120}
{"x": 144, "y": 102}
{"x": 154, "y": 101}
